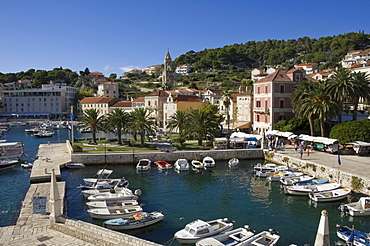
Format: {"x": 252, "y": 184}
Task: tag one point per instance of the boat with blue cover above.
{"x": 360, "y": 238}
{"x": 139, "y": 220}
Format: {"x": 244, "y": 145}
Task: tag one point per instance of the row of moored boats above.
{"x": 320, "y": 190}
{"x": 179, "y": 165}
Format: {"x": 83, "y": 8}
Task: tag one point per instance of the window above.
{"x": 266, "y": 89}
{"x": 282, "y": 89}
{"x": 258, "y": 104}
{"x": 258, "y": 90}
{"x": 282, "y": 117}
{"x": 281, "y": 103}
{"x": 258, "y": 118}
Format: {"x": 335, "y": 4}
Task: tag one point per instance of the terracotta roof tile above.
{"x": 122, "y": 104}
{"x": 98, "y": 99}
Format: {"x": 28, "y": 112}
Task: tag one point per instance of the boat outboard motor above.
{"x": 112, "y": 190}
{"x": 138, "y": 192}
{"x": 272, "y": 231}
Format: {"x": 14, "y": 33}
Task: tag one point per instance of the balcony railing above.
{"x": 261, "y": 110}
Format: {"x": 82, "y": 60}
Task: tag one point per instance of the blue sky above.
{"x": 114, "y": 36}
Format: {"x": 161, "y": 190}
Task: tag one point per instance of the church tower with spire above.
{"x": 167, "y": 76}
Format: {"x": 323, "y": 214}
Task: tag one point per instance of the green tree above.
{"x": 93, "y": 120}
{"x": 302, "y": 92}
{"x": 142, "y": 122}
{"x": 318, "y": 103}
{"x": 359, "y": 131}
{"x": 179, "y": 121}
{"x": 226, "y": 97}
{"x": 341, "y": 88}
{"x": 118, "y": 120}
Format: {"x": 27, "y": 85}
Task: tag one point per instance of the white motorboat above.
{"x": 233, "y": 162}
{"x": 359, "y": 208}
{"x": 44, "y": 134}
{"x": 233, "y": 237}
{"x": 101, "y": 175}
{"x": 197, "y": 164}
{"x": 330, "y": 196}
{"x": 307, "y": 189}
{"x": 98, "y": 189}
{"x": 200, "y": 229}
{"x": 112, "y": 204}
{"x": 139, "y": 220}
{"x": 124, "y": 194}
{"x": 113, "y": 213}
{"x": 269, "y": 167}
{"x": 291, "y": 180}
{"x": 7, "y": 164}
{"x": 264, "y": 238}
{"x": 11, "y": 150}
{"x": 181, "y": 165}
{"x": 284, "y": 175}
{"x": 143, "y": 165}
{"x": 74, "y": 165}
{"x": 208, "y": 162}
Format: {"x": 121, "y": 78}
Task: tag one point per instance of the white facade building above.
{"x": 108, "y": 89}
{"x": 52, "y": 99}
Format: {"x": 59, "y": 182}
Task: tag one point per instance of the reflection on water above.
{"x": 217, "y": 193}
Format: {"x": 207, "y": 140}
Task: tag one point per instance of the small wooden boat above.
{"x": 233, "y": 162}
{"x": 359, "y": 238}
{"x": 197, "y": 164}
{"x": 291, "y": 180}
{"x": 139, "y": 220}
{"x": 329, "y": 196}
{"x": 113, "y": 213}
{"x": 7, "y": 164}
{"x": 143, "y": 165}
{"x": 312, "y": 182}
{"x": 119, "y": 186}
{"x": 163, "y": 165}
{"x": 200, "y": 229}
{"x": 269, "y": 167}
{"x": 208, "y": 162}
{"x": 182, "y": 165}
{"x": 101, "y": 175}
{"x": 112, "y": 204}
{"x": 359, "y": 208}
{"x": 74, "y": 165}
{"x": 284, "y": 175}
{"x": 307, "y": 189}
{"x": 264, "y": 238}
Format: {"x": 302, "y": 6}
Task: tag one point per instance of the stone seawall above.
{"x": 356, "y": 182}
{"x": 130, "y": 158}
{"x": 98, "y": 235}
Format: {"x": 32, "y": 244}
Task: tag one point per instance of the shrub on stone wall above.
{"x": 77, "y": 148}
{"x": 356, "y": 183}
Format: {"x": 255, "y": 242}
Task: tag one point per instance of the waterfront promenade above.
{"x": 37, "y": 229}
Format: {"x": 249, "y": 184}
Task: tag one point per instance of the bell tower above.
{"x": 167, "y": 76}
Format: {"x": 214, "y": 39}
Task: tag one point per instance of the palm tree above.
{"x": 179, "y": 120}
{"x": 117, "y": 120}
{"x": 93, "y": 120}
{"x": 361, "y": 83}
{"x": 300, "y": 93}
{"x": 141, "y": 122}
{"x": 319, "y": 103}
{"x": 341, "y": 88}
{"x": 204, "y": 123}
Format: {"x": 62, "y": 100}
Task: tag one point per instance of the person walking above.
{"x": 308, "y": 150}
{"x": 300, "y": 152}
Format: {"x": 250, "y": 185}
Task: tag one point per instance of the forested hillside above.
{"x": 327, "y": 50}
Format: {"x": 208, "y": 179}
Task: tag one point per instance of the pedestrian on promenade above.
{"x": 295, "y": 146}
{"x": 300, "y": 152}
{"x": 308, "y": 150}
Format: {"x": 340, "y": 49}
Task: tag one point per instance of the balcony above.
{"x": 261, "y": 110}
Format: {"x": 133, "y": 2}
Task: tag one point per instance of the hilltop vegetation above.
{"x": 221, "y": 68}
{"x": 328, "y": 50}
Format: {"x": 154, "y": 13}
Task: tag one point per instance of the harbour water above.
{"x": 184, "y": 197}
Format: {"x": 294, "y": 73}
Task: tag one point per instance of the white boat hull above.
{"x": 330, "y": 196}
{"x": 305, "y": 190}
{"x": 106, "y": 214}
{"x": 130, "y": 224}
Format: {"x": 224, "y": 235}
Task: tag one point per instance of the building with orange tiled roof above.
{"x": 271, "y": 101}
{"x": 102, "y": 104}
{"x": 108, "y": 89}
{"x": 154, "y": 102}
{"x": 138, "y": 102}
{"x": 257, "y": 74}
{"x": 309, "y": 68}
{"x": 180, "y": 102}
{"x": 184, "y": 69}
{"x": 212, "y": 96}
{"x": 124, "y": 105}
{"x": 355, "y": 56}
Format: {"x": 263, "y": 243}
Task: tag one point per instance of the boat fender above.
{"x": 138, "y": 192}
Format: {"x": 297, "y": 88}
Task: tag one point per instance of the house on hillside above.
{"x": 102, "y": 104}
{"x": 108, "y": 89}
